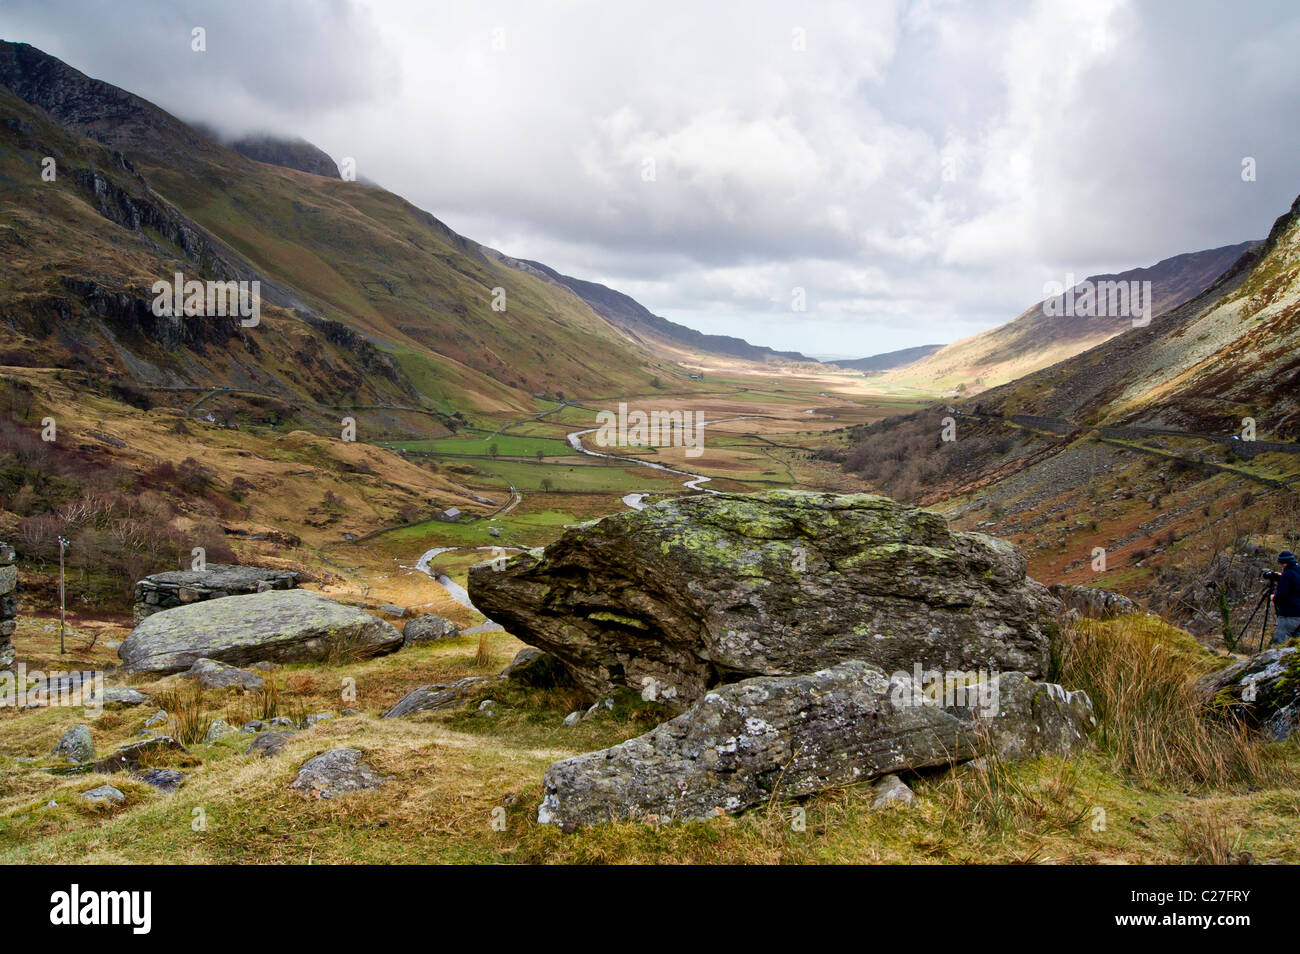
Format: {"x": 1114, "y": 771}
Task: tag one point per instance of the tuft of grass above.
{"x": 1141, "y": 676}
{"x": 188, "y": 721}
{"x": 1206, "y": 839}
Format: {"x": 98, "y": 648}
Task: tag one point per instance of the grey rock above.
{"x": 390, "y": 609}
{"x": 253, "y": 725}
{"x": 158, "y": 718}
{"x": 704, "y": 589}
{"x": 573, "y": 718}
{"x": 428, "y": 628}
{"x": 285, "y": 625}
{"x": 744, "y": 743}
{"x": 115, "y": 696}
{"x": 438, "y": 696}
{"x": 281, "y": 722}
{"x": 217, "y": 675}
{"x": 334, "y": 773}
{"x": 890, "y": 791}
{"x": 218, "y": 729}
{"x": 165, "y": 780}
{"x": 270, "y": 743}
{"x": 104, "y": 795}
{"x": 487, "y": 706}
{"x": 316, "y": 718}
{"x": 162, "y": 591}
{"x": 75, "y": 745}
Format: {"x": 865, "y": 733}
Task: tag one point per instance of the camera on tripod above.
{"x": 1271, "y": 575}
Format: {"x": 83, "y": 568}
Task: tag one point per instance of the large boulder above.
{"x": 285, "y": 626}
{"x": 335, "y": 773}
{"x": 211, "y": 674}
{"x": 702, "y": 590}
{"x": 1263, "y": 691}
{"x": 745, "y": 743}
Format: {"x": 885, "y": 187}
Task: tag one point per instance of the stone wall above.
{"x": 180, "y": 587}
{"x": 8, "y": 603}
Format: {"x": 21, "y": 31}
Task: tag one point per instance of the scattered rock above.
{"x": 253, "y": 725}
{"x": 158, "y": 718}
{"x": 163, "y": 779}
{"x": 316, "y": 718}
{"x": 281, "y": 722}
{"x": 743, "y": 743}
{"x": 891, "y": 790}
{"x": 439, "y": 696}
{"x": 334, "y": 773}
{"x": 270, "y": 743}
{"x": 104, "y": 795}
{"x": 217, "y": 675}
{"x": 285, "y": 625}
{"x": 699, "y": 590}
{"x": 426, "y": 629}
{"x": 389, "y": 609}
{"x": 75, "y": 745}
{"x": 488, "y": 707}
{"x": 540, "y": 670}
{"x": 573, "y": 718}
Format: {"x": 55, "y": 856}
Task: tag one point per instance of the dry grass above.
{"x": 1141, "y": 674}
{"x": 188, "y": 720}
{"x": 1206, "y": 839}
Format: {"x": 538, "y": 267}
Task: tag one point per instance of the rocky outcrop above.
{"x": 789, "y": 736}
{"x": 1093, "y": 602}
{"x": 181, "y": 587}
{"x": 1262, "y": 691}
{"x": 282, "y": 626}
{"x": 8, "y": 604}
{"x": 698, "y": 591}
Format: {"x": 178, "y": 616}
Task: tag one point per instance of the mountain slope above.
{"x": 342, "y": 261}
{"x": 889, "y": 359}
{"x": 1035, "y": 340}
{"x": 630, "y": 315}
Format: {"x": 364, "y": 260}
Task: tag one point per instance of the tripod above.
{"x": 1266, "y": 601}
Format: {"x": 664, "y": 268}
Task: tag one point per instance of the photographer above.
{"x": 1286, "y": 598}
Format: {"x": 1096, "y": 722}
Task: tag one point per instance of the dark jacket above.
{"x": 1287, "y": 598}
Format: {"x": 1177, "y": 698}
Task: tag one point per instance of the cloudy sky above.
{"x": 918, "y": 169}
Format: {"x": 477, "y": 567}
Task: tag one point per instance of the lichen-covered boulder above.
{"x": 686, "y": 594}
{"x": 438, "y": 696}
{"x": 1263, "y": 691}
{"x": 280, "y": 625}
{"x": 744, "y": 743}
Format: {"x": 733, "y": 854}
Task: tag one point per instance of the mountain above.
{"x": 368, "y": 299}
{"x": 289, "y": 153}
{"x": 1232, "y": 351}
{"x": 1035, "y": 339}
{"x": 637, "y": 320}
{"x": 890, "y": 359}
